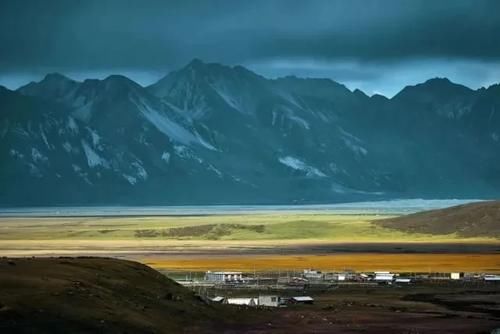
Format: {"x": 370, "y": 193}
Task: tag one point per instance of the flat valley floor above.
{"x": 248, "y": 242}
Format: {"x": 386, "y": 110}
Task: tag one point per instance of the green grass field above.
{"x": 257, "y": 227}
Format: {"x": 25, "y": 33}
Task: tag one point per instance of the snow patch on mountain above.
{"x": 44, "y": 137}
{"x": 171, "y": 129}
{"x": 215, "y": 170}
{"x": 132, "y": 180}
{"x": 83, "y": 112}
{"x": 165, "y": 157}
{"x": 299, "y": 121}
{"x": 353, "y": 143}
{"x": 16, "y": 154}
{"x": 288, "y": 113}
{"x": 96, "y": 139}
{"x": 36, "y": 156}
{"x": 93, "y": 159}
{"x": 203, "y": 142}
{"x": 21, "y": 131}
{"x": 140, "y": 170}
{"x": 299, "y": 165}
{"x": 67, "y": 147}
{"x": 223, "y": 92}
{"x": 72, "y": 126}
{"x": 184, "y": 152}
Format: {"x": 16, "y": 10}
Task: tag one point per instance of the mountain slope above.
{"x": 480, "y": 219}
{"x": 214, "y": 134}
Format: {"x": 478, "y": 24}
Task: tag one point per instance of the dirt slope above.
{"x": 93, "y": 295}
{"x": 470, "y": 220}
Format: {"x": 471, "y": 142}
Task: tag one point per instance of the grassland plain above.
{"x": 245, "y": 241}
{"x": 245, "y": 228}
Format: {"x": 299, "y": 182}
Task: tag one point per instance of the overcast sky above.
{"x": 377, "y": 46}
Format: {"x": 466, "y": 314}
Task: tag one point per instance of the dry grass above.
{"x": 358, "y": 262}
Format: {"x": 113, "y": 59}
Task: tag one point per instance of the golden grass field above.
{"x": 188, "y": 242}
{"x": 333, "y": 262}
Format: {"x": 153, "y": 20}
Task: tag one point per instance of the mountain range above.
{"x": 214, "y": 134}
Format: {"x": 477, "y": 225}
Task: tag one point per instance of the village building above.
{"x": 224, "y": 276}
{"x": 269, "y": 301}
{"x": 341, "y": 277}
{"x": 217, "y": 299}
{"x": 402, "y": 280}
{"x": 383, "y": 276}
{"x": 302, "y": 300}
{"x": 312, "y": 274}
{"x": 242, "y": 301}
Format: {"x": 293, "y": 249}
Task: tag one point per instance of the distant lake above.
{"x": 376, "y": 207}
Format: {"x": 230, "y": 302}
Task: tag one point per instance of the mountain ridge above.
{"x": 210, "y": 133}
{"x": 199, "y": 62}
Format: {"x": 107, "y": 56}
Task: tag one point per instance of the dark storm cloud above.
{"x": 118, "y": 35}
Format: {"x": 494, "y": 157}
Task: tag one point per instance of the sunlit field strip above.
{"x": 338, "y": 262}
{"x": 256, "y": 228}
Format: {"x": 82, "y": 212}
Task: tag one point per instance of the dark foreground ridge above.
{"x": 469, "y": 220}
{"x": 96, "y": 295}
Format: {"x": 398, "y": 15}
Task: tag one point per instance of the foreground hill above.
{"x": 212, "y": 134}
{"x": 95, "y": 295}
{"x": 91, "y": 295}
{"x": 469, "y": 220}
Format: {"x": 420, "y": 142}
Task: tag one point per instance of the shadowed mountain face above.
{"x": 211, "y": 134}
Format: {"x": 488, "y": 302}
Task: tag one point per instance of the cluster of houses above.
{"x": 263, "y": 301}
{"x": 314, "y": 276}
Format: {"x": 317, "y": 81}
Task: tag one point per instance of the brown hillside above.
{"x": 95, "y": 295}
{"x": 470, "y": 220}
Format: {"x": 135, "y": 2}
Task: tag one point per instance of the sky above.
{"x": 378, "y": 46}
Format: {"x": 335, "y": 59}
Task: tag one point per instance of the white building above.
{"x": 492, "y": 278}
{"x": 312, "y": 274}
{"x": 341, "y": 277}
{"x": 270, "y": 301}
{"x": 402, "y": 280}
{"x": 224, "y": 276}
{"x": 302, "y": 300}
{"x": 217, "y": 299}
{"x": 455, "y": 276}
{"x": 242, "y": 301}
{"x": 383, "y": 276}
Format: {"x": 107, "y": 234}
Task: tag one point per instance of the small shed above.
{"x": 218, "y": 299}
{"x": 270, "y": 301}
{"x": 302, "y": 300}
{"x": 312, "y": 274}
{"x": 403, "y": 280}
{"x": 383, "y": 276}
{"x": 242, "y": 301}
